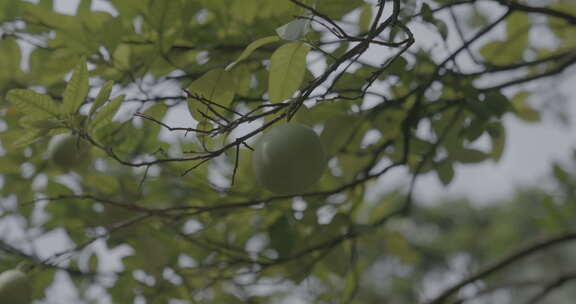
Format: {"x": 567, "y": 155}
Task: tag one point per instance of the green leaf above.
{"x": 351, "y": 165}
{"x": 105, "y": 115}
{"x": 389, "y": 122}
{"x": 495, "y": 52}
{"x": 102, "y": 97}
{"x": 428, "y": 16}
{"x": 498, "y": 139}
{"x": 36, "y": 105}
{"x": 93, "y": 263}
{"x": 9, "y": 57}
{"x": 245, "y": 11}
{"x": 497, "y": 103}
{"x": 351, "y": 286}
{"x": 475, "y": 129}
{"x": 365, "y": 18}
{"x": 84, "y": 6}
{"x": 42, "y": 279}
{"x": 442, "y": 28}
{"x": 337, "y": 132}
{"x": 70, "y": 32}
{"x": 512, "y": 49}
{"x": 445, "y": 172}
{"x": 337, "y": 8}
{"x": 242, "y": 78}
{"x": 517, "y": 28}
{"x": 282, "y": 237}
{"x": 251, "y": 48}
{"x": 522, "y": 109}
{"x": 287, "y": 69}
{"x": 426, "y": 13}
{"x": 216, "y": 86}
{"x": 464, "y": 155}
{"x": 397, "y": 245}
{"x": 10, "y": 9}
{"x": 77, "y": 89}
{"x": 47, "y": 4}
{"x": 561, "y": 28}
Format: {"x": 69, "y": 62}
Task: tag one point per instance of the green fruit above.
{"x": 15, "y": 287}
{"x": 67, "y": 152}
{"x": 288, "y": 159}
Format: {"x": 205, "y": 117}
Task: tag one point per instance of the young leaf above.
{"x": 36, "y": 105}
{"x": 103, "y": 95}
{"x": 77, "y": 89}
{"x": 294, "y": 29}
{"x": 251, "y": 48}
{"x": 106, "y": 114}
{"x": 523, "y": 109}
{"x": 287, "y": 69}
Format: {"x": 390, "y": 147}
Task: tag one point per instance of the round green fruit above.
{"x": 66, "y": 152}
{"x": 15, "y": 287}
{"x": 288, "y": 159}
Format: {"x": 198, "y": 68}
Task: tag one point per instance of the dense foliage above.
{"x": 160, "y": 102}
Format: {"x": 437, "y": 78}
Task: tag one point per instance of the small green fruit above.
{"x": 288, "y": 159}
{"x": 15, "y": 287}
{"x": 66, "y": 152}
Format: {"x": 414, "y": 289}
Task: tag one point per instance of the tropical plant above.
{"x": 167, "y": 98}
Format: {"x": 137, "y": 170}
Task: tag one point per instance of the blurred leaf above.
{"x": 105, "y": 115}
{"x": 468, "y": 155}
{"x": 522, "y": 109}
{"x": 351, "y": 285}
{"x": 251, "y": 48}
{"x": 337, "y": 132}
{"x": 498, "y": 140}
{"x": 428, "y": 16}
{"x": 216, "y": 86}
{"x": 512, "y": 49}
{"x": 497, "y": 103}
{"x": 282, "y": 236}
{"x": 10, "y": 56}
{"x": 445, "y": 172}
{"x": 389, "y": 122}
{"x": 397, "y": 245}
{"x": 365, "y": 18}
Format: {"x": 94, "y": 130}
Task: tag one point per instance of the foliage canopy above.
{"x": 169, "y": 96}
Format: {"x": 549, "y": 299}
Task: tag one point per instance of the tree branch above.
{"x": 505, "y": 262}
